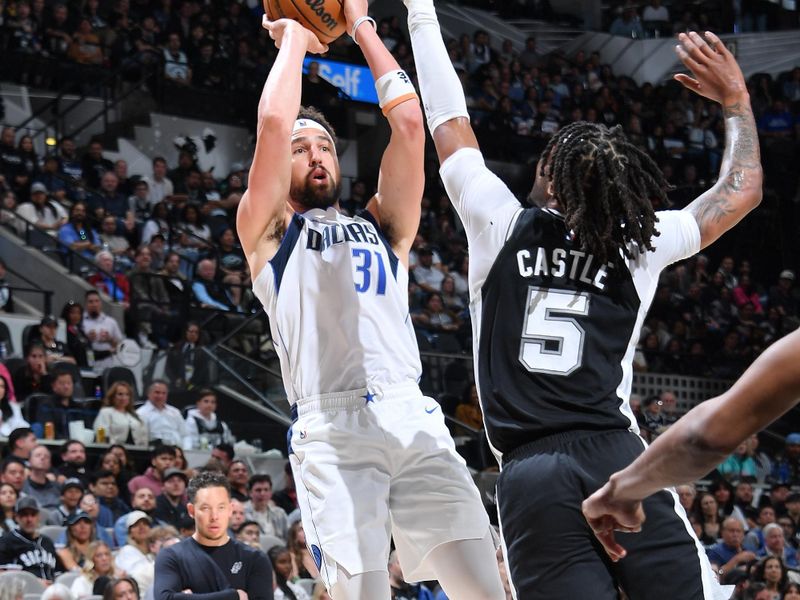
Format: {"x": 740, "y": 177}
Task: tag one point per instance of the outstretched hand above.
{"x": 606, "y": 515}
{"x": 717, "y": 75}
{"x": 281, "y": 27}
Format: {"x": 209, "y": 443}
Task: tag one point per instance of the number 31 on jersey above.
{"x": 547, "y": 319}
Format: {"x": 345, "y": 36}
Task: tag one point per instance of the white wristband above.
{"x": 394, "y": 88}
{"x": 358, "y": 22}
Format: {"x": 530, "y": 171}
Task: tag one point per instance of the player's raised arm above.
{"x": 738, "y": 189}
{"x": 401, "y": 180}
{"x": 442, "y": 94}
{"x": 699, "y": 441}
{"x": 262, "y": 214}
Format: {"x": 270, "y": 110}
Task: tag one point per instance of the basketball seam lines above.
{"x": 305, "y": 18}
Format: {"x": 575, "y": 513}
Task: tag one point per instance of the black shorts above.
{"x": 553, "y": 554}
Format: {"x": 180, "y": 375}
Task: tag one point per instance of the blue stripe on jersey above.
{"x": 393, "y": 260}
{"x": 288, "y": 243}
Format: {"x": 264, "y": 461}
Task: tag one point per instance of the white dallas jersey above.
{"x": 337, "y": 300}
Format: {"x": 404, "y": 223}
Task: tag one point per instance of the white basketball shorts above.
{"x": 371, "y": 464}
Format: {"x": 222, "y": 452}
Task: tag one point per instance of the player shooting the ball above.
{"x": 370, "y": 455}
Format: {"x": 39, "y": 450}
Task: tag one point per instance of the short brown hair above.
{"x": 309, "y": 112}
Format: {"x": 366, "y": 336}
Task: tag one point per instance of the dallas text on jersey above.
{"x": 338, "y": 234}
{"x": 559, "y": 262}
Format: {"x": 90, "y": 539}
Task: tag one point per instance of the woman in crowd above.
{"x": 119, "y": 419}
{"x": 101, "y": 516}
{"x": 8, "y": 500}
{"x": 80, "y": 533}
{"x": 32, "y": 377}
{"x": 77, "y": 342}
{"x": 111, "y": 462}
{"x": 706, "y": 518}
{"x": 124, "y": 588}
{"x": 99, "y": 563}
{"x": 792, "y": 592}
{"x": 157, "y": 223}
{"x": 10, "y": 412}
{"x": 128, "y": 471}
{"x": 772, "y": 572}
{"x": 303, "y": 565}
{"x": 285, "y": 589}
{"x": 452, "y": 300}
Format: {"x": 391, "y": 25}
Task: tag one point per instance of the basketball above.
{"x": 324, "y": 17}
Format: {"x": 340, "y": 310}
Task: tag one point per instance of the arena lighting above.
{"x": 50, "y": 141}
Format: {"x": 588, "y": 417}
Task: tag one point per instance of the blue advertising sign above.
{"x": 354, "y": 80}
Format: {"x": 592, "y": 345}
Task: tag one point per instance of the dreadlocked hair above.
{"x": 605, "y": 186}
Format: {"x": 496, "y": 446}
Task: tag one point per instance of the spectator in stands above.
{"x": 745, "y": 293}
{"x": 427, "y": 276}
{"x": 12, "y": 472}
{"x": 178, "y": 175}
{"x": 60, "y": 408}
{"x": 45, "y": 214}
{"x": 10, "y": 411}
{"x": 174, "y": 281}
{"x": 787, "y": 467}
{"x": 655, "y": 18}
{"x": 729, "y": 554}
{"x": 706, "y": 516}
{"x": 10, "y": 160}
{"x": 686, "y": 495}
{"x": 37, "y": 484}
{"x": 71, "y": 493}
{"x": 158, "y": 251}
{"x": 772, "y": 572}
{"x": 55, "y": 350}
{"x": 8, "y": 500}
{"x": 143, "y": 500}
{"x": 138, "y": 204}
{"x": 53, "y": 182}
{"x": 69, "y": 165}
{"x": 78, "y": 234}
{"x": 224, "y": 454}
{"x": 281, "y": 561}
{"x": 627, "y": 24}
{"x": 119, "y": 419}
{"x": 161, "y": 458}
{"x": 238, "y": 477}
{"x": 32, "y": 377}
{"x": 171, "y": 503}
{"x": 176, "y": 64}
{"x": 401, "y": 588}
{"x": 80, "y": 534}
{"x": 36, "y": 554}
{"x": 109, "y": 200}
{"x": 303, "y": 564}
{"x": 188, "y": 367}
{"x": 783, "y": 297}
{"x": 159, "y": 187}
{"x": 208, "y": 291}
{"x": 469, "y": 410}
{"x": 110, "y": 462}
{"x": 151, "y": 302}
{"x": 115, "y": 243}
{"x": 73, "y": 462}
{"x": 94, "y": 165}
{"x": 203, "y": 428}
{"x": 738, "y": 464}
{"x": 77, "y": 342}
{"x": 249, "y": 532}
{"x": 133, "y": 555}
{"x": 102, "y": 331}
{"x": 237, "y": 516}
{"x": 775, "y": 545}
{"x": 164, "y": 422}
{"x": 6, "y": 293}
{"x": 433, "y": 320}
{"x": 103, "y": 485}
{"x": 21, "y": 442}
{"x": 97, "y": 570}
{"x": 86, "y": 48}
{"x": 269, "y": 517}
{"x": 157, "y": 223}
{"x": 754, "y": 540}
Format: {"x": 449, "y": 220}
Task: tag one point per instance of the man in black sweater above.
{"x": 210, "y": 565}
{"x": 34, "y": 553}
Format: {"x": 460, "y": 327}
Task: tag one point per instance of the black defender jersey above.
{"x": 554, "y": 329}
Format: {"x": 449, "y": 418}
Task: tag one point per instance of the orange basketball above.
{"x": 324, "y": 17}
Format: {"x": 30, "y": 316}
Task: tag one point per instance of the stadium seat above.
{"x": 114, "y": 374}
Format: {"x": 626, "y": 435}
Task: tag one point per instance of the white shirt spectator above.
{"x": 176, "y": 66}
{"x": 429, "y": 276}
{"x": 15, "y": 421}
{"x": 164, "y": 424}
{"x": 51, "y": 215}
{"x": 192, "y": 441}
{"x": 120, "y": 425}
{"x": 652, "y": 13}
{"x": 105, "y": 334}
{"x": 158, "y": 190}
{"x": 272, "y": 521}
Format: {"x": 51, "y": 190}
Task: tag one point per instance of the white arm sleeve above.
{"x": 679, "y": 238}
{"x": 486, "y": 207}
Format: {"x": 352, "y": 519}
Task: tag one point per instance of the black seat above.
{"x": 13, "y": 365}
{"x": 113, "y": 374}
{"x": 5, "y": 336}
{"x": 30, "y": 333}
{"x": 30, "y": 406}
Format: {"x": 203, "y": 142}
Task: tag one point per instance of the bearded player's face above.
{"x": 315, "y": 170}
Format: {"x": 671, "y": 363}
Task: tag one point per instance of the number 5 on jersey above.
{"x": 362, "y": 260}
{"x": 543, "y": 323}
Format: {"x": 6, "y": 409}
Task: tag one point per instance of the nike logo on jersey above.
{"x": 431, "y": 410}
{"x": 303, "y": 434}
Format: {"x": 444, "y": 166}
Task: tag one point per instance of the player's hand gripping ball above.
{"x": 325, "y": 18}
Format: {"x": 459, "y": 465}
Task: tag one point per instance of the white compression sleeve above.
{"x": 442, "y": 94}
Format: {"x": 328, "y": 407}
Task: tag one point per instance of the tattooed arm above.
{"x": 738, "y": 189}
